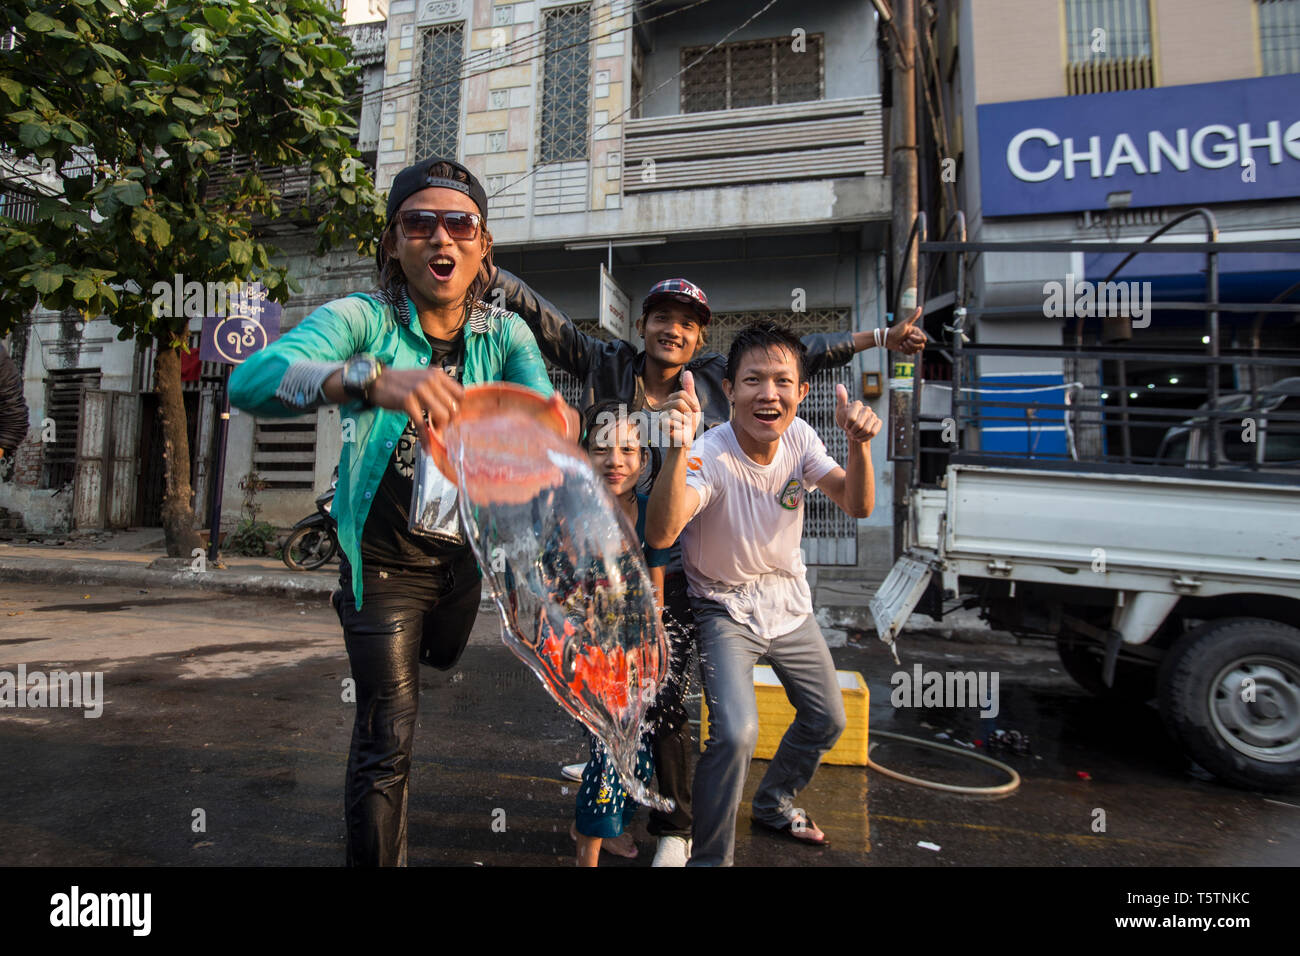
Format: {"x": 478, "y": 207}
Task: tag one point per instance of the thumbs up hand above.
{"x": 682, "y": 411}
{"x": 857, "y": 421}
{"x": 906, "y": 336}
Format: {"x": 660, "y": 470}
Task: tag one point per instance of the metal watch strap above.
{"x": 364, "y": 393}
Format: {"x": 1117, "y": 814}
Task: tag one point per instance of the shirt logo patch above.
{"x": 694, "y": 464}
{"x": 791, "y": 495}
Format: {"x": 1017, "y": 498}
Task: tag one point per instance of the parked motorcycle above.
{"x": 313, "y": 540}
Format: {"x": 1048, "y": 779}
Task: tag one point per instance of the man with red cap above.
{"x": 674, "y": 320}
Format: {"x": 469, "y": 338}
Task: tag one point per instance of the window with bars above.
{"x": 752, "y": 73}
{"x": 64, "y": 391}
{"x": 1109, "y": 46}
{"x": 437, "y": 125}
{"x": 566, "y": 73}
{"x": 1279, "y": 36}
{"x": 284, "y": 452}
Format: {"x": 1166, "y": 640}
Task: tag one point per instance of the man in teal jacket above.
{"x": 391, "y": 359}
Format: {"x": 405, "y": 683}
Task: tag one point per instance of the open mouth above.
{"x": 669, "y": 344}
{"x": 769, "y": 415}
{"x": 442, "y": 267}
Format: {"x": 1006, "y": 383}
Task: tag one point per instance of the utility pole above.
{"x": 903, "y": 182}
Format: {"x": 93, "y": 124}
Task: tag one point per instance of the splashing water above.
{"x": 565, "y": 571}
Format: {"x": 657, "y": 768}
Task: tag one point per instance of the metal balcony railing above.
{"x": 289, "y": 183}
{"x": 814, "y": 140}
{"x": 1110, "y": 76}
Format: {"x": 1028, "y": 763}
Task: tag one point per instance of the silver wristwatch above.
{"x": 359, "y": 374}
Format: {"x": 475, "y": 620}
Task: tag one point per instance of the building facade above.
{"x": 649, "y": 139}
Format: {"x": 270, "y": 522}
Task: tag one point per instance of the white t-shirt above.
{"x": 741, "y": 547}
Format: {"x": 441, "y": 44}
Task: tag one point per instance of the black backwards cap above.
{"x": 414, "y": 178}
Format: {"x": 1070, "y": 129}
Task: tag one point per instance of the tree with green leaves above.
{"x": 117, "y": 115}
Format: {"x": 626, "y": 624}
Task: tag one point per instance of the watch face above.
{"x": 358, "y": 373}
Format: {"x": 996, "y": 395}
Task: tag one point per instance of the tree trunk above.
{"x": 177, "y": 515}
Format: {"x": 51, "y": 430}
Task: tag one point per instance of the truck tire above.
{"x": 1230, "y": 695}
{"x": 1082, "y": 660}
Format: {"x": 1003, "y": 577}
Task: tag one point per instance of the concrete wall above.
{"x": 1203, "y": 41}
{"x": 1016, "y": 48}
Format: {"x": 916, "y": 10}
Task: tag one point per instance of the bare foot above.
{"x": 622, "y": 845}
{"x": 803, "y": 828}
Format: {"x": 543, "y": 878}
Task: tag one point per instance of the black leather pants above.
{"x": 408, "y": 616}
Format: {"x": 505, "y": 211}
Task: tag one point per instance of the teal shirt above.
{"x": 498, "y": 347}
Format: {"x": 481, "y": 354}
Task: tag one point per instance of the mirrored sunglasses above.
{"x": 423, "y": 223}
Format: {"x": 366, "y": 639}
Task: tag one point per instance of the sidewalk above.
{"x": 125, "y": 559}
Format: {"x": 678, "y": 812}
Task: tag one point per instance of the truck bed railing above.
{"x": 1092, "y": 408}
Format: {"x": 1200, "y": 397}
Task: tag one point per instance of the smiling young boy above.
{"x": 736, "y": 498}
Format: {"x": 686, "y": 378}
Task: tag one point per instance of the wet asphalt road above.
{"x": 233, "y": 707}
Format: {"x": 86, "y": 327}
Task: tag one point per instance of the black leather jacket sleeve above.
{"x": 608, "y": 370}
{"x": 13, "y": 408}
{"x": 562, "y": 342}
{"x": 827, "y": 350}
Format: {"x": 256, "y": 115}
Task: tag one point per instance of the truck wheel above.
{"x": 1082, "y": 660}
{"x": 1230, "y": 695}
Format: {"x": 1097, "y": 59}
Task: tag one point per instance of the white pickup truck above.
{"x": 1186, "y": 589}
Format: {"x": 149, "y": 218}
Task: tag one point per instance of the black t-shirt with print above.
{"x": 386, "y": 540}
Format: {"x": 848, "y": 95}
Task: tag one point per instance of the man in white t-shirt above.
{"x": 736, "y": 498}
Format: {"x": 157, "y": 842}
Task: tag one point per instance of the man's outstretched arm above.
{"x": 562, "y": 342}
{"x": 833, "y": 350}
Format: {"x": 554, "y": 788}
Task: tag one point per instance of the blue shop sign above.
{"x": 1233, "y": 141}
{"x": 250, "y": 322}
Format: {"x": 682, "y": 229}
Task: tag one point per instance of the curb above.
{"x": 45, "y": 571}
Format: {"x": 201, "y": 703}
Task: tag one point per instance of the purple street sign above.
{"x": 251, "y": 323}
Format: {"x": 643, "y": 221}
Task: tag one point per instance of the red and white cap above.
{"x": 679, "y": 290}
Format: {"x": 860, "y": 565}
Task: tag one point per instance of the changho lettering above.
{"x": 1212, "y": 146}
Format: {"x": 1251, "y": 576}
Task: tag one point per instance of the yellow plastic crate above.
{"x": 775, "y": 714}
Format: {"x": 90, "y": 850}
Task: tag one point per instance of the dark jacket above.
{"x": 609, "y": 370}
{"x": 13, "y": 408}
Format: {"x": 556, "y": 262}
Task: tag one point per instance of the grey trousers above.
{"x": 802, "y": 661}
